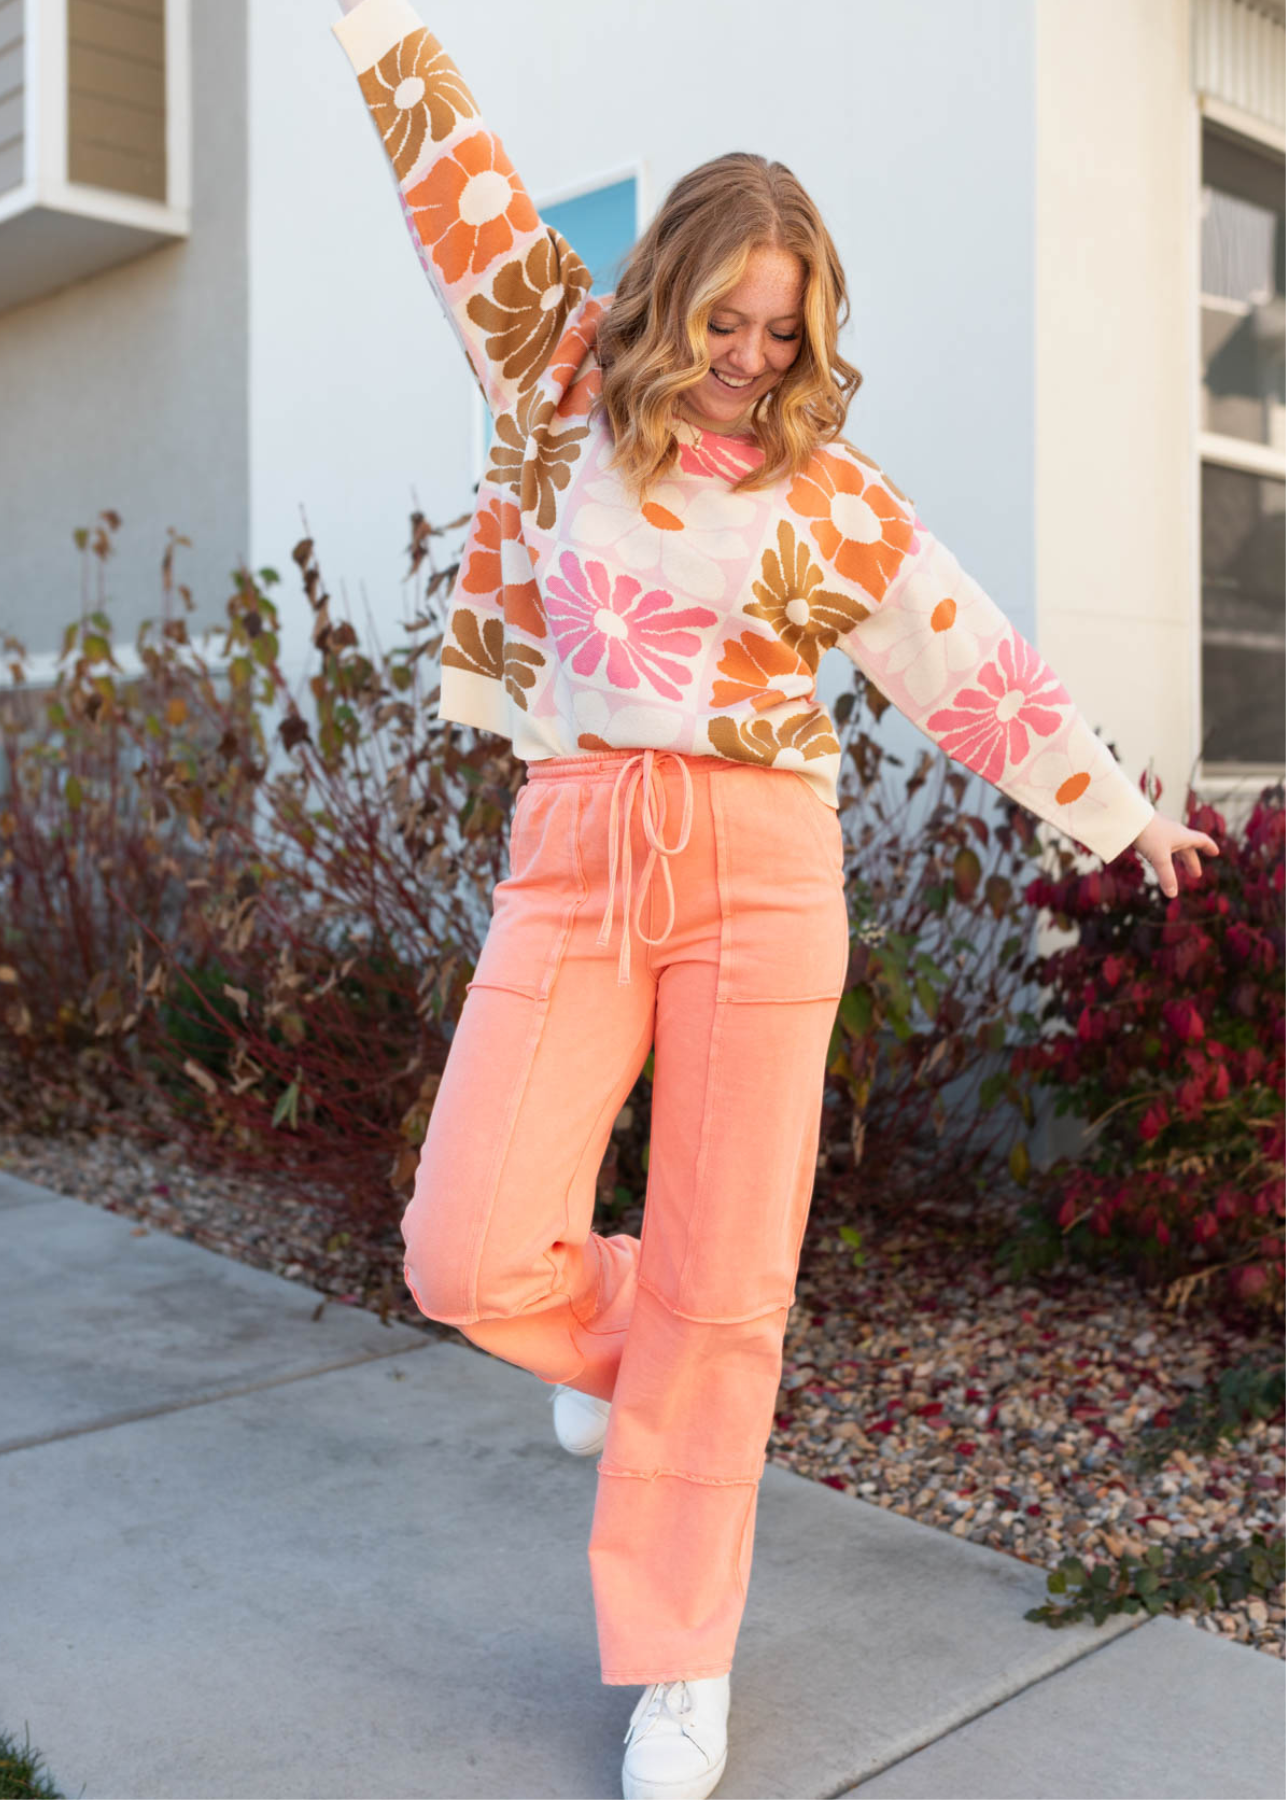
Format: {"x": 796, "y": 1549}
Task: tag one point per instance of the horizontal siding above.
{"x": 1240, "y": 56}
{"x": 11, "y": 94}
{"x": 119, "y": 29}
{"x": 116, "y": 95}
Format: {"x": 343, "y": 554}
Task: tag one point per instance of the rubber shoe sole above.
{"x": 674, "y": 1731}
{"x": 632, "y": 1788}
{"x": 580, "y": 1420}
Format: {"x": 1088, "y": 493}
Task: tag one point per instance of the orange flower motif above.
{"x": 497, "y": 552}
{"x": 573, "y": 365}
{"x": 875, "y": 469}
{"x": 750, "y": 662}
{"x": 855, "y": 524}
{"x": 471, "y": 207}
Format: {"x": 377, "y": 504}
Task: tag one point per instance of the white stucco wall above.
{"x": 127, "y": 390}
{"x": 912, "y": 125}
{"x": 1116, "y": 373}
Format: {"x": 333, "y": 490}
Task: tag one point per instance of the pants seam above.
{"x": 833, "y": 998}
{"x": 644, "y": 1675}
{"x": 703, "y": 1148}
{"x": 741, "y": 1544}
{"x": 503, "y": 1146}
{"x": 540, "y": 1002}
{"x": 751, "y": 1481}
{"x": 644, "y": 1042}
{"x": 762, "y": 1312}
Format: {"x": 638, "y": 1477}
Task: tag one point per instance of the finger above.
{"x": 1167, "y": 877}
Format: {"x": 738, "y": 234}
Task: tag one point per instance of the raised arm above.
{"x": 505, "y": 280}
{"x": 948, "y": 658}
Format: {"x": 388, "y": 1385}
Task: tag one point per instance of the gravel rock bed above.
{"x": 922, "y": 1381}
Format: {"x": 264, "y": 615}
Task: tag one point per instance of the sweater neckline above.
{"x": 705, "y": 436}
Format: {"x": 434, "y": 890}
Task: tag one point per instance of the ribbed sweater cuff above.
{"x": 372, "y": 29}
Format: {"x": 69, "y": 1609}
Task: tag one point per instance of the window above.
{"x": 601, "y": 223}
{"x": 1243, "y": 452}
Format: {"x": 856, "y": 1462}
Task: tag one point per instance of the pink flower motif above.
{"x": 987, "y": 731}
{"x": 593, "y": 615}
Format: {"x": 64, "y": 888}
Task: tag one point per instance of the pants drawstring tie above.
{"x": 641, "y": 767}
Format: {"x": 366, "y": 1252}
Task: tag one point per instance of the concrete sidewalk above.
{"x": 246, "y": 1553}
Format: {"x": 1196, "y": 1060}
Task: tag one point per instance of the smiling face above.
{"x": 754, "y": 334}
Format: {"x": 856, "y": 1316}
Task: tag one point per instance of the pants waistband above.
{"x": 632, "y": 769}
{"x": 608, "y": 762}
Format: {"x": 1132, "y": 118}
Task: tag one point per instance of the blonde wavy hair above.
{"x": 652, "y": 342}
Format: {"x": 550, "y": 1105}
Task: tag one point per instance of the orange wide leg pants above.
{"x": 731, "y": 958}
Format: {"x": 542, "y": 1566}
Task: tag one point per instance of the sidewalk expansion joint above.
{"x": 848, "y": 1789}
{"x": 210, "y": 1399}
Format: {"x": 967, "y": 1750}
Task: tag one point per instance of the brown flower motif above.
{"x": 806, "y": 616}
{"x": 759, "y": 741}
{"x": 528, "y": 306}
{"x": 479, "y": 645}
{"x": 521, "y": 664}
{"x": 530, "y": 460}
{"x": 415, "y": 91}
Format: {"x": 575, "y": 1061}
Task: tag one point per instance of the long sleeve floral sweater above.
{"x": 581, "y": 622}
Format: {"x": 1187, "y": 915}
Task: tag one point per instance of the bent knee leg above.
{"x": 438, "y": 1264}
{"x": 462, "y": 1274}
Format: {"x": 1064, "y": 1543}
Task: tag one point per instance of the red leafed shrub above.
{"x": 1172, "y": 1047}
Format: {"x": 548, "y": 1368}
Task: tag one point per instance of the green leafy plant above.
{"x": 850, "y": 1235}
{"x": 21, "y": 1777}
{"x": 240, "y": 925}
{"x": 935, "y": 972}
{"x": 1249, "y": 1391}
{"x": 1162, "y": 1580}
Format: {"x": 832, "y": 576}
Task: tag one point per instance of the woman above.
{"x": 669, "y": 534}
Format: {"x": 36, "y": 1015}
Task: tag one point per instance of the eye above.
{"x": 782, "y": 338}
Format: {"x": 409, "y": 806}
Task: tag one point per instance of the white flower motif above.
{"x": 1072, "y": 772}
{"x": 931, "y": 627}
{"x": 679, "y": 534}
{"x": 628, "y": 727}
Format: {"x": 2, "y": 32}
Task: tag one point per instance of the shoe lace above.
{"x": 663, "y": 1699}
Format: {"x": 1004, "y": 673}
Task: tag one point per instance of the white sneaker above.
{"x": 580, "y": 1420}
{"x": 677, "y": 1742}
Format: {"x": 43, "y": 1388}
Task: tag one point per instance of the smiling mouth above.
{"x": 733, "y": 387}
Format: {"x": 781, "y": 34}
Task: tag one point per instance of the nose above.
{"x": 745, "y": 359}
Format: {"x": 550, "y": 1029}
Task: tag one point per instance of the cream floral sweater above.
{"x": 580, "y": 622}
